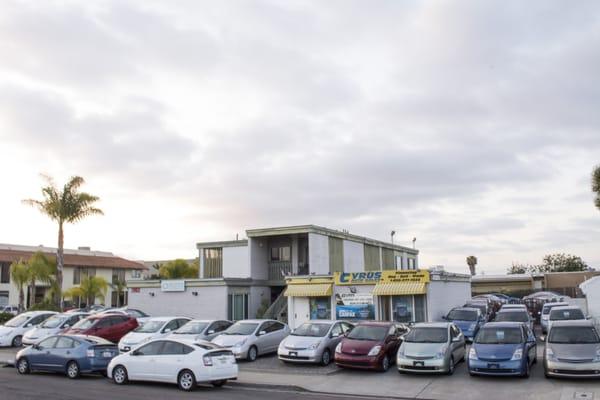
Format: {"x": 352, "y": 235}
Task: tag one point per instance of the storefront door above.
{"x": 301, "y": 310}
{"x": 384, "y": 308}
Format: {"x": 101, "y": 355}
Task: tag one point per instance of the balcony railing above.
{"x": 279, "y": 269}
{"x": 303, "y": 269}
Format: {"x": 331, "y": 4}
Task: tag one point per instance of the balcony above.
{"x": 279, "y": 269}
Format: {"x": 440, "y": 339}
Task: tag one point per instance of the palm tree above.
{"x": 41, "y": 268}
{"x": 596, "y": 185}
{"x": 472, "y": 262}
{"x": 20, "y": 277}
{"x": 89, "y": 289}
{"x": 64, "y": 206}
{"x": 178, "y": 269}
{"x": 119, "y": 286}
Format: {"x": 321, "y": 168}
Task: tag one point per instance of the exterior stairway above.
{"x": 278, "y": 309}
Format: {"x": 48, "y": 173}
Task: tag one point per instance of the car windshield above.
{"x": 367, "y": 332}
{"x": 136, "y": 313}
{"x": 462, "y": 315}
{"x": 573, "y": 335}
{"x": 150, "y": 327}
{"x": 85, "y": 324}
{"x": 499, "y": 336}
{"x": 547, "y": 307}
{"x": 241, "y": 328}
{"x": 481, "y": 307}
{"x": 427, "y": 335}
{"x": 512, "y": 316}
{"x": 562, "y": 315}
{"x": 54, "y": 322}
{"x": 17, "y": 321}
{"x": 192, "y": 328}
{"x": 312, "y": 330}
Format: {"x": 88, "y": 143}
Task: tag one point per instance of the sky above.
{"x": 473, "y": 126}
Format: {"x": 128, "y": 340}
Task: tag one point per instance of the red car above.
{"x": 370, "y": 345}
{"x": 107, "y": 326}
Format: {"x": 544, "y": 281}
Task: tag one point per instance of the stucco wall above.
{"x": 235, "y": 262}
{"x": 257, "y": 295}
{"x": 318, "y": 253}
{"x": 354, "y": 256}
{"x": 442, "y": 296}
{"x": 258, "y": 254}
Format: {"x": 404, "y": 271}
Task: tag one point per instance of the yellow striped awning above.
{"x": 309, "y": 290}
{"x": 399, "y": 288}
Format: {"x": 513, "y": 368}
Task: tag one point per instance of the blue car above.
{"x": 468, "y": 319}
{"x": 72, "y": 355}
{"x": 503, "y": 348}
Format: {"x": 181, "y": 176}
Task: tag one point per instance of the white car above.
{"x": 54, "y": 325}
{"x": 14, "y": 310}
{"x": 153, "y": 328}
{"x": 200, "y": 329}
{"x": 175, "y": 361}
{"x": 11, "y": 333}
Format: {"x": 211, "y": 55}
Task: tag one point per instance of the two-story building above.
{"x": 248, "y": 278}
{"x": 77, "y": 265}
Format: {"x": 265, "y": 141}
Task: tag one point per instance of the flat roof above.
{"x": 223, "y": 243}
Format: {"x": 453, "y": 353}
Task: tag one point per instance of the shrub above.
{"x": 44, "y": 306}
{"x": 5, "y": 317}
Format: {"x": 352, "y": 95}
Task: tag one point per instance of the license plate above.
{"x": 418, "y": 363}
{"x": 106, "y": 354}
{"x": 493, "y": 366}
{"x": 293, "y": 354}
{"x": 222, "y": 360}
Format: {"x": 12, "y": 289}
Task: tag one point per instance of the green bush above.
{"x": 44, "y": 306}
{"x": 5, "y": 317}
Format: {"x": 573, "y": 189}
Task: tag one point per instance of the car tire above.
{"x": 451, "y": 366}
{"x": 186, "y": 380}
{"x": 325, "y": 357}
{"x": 17, "y": 341}
{"x": 119, "y": 375}
{"x": 219, "y": 383}
{"x": 23, "y": 366}
{"x": 385, "y": 363}
{"x": 73, "y": 371}
{"x": 252, "y": 353}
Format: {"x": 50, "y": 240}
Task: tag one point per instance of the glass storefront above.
{"x": 409, "y": 308}
{"x": 320, "y": 308}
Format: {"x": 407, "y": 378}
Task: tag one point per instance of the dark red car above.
{"x": 107, "y": 326}
{"x": 370, "y": 345}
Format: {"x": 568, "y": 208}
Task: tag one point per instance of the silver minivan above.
{"x": 253, "y": 337}
{"x": 433, "y": 347}
{"x": 572, "y": 349}
{"x": 313, "y": 342}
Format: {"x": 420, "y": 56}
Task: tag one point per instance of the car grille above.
{"x": 419, "y": 357}
{"x": 295, "y": 348}
{"x": 576, "y": 360}
{"x": 293, "y": 357}
{"x": 417, "y": 368}
{"x": 577, "y": 372}
{"x": 496, "y": 370}
{"x": 493, "y": 360}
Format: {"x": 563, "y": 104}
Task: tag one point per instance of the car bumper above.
{"x": 299, "y": 356}
{"x": 507, "y": 368}
{"x": 572, "y": 370}
{"x": 95, "y": 365}
{"x": 432, "y": 365}
{"x": 360, "y": 362}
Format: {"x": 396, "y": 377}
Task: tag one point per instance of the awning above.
{"x": 399, "y": 288}
{"x": 309, "y": 290}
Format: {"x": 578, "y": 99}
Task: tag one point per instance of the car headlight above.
{"x": 240, "y": 344}
{"x": 374, "y": 351}
{"x": 441, "y": 353}
{"x": 517, "y": 355}
{"x": 314, "y": 346}
{"x": 550, "y": 354}
{"x": 472, "y": 354}
{"x": 338, "y": 348}
{"x": 597, "y": 358}
{"x": 401, "y": 351}
{"x": 472, "y": 326}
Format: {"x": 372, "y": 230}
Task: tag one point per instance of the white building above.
{"x": 591, "y": 289}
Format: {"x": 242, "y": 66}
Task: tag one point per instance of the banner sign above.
{"x": 172, "y": 286}
{"x": 375, "y": 277}
{"x": 354, "y": 306}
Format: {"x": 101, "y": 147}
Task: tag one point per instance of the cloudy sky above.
{"x": 472, "y": 126}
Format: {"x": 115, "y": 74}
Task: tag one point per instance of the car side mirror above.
{"x": 66, "y": 326}
{"x": 36, "y": 346}
{"x": 28, "y": 325}
{"x": 262, "y": 333}
{"x": 456, "y": 339}
{"x": 334, "y": 334}
{"x": 445, "y": 318}
{"x": 167, "y": 330}
{"x": 210, "y": 332}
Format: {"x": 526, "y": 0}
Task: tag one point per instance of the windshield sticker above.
{"x": 500, "y": 335}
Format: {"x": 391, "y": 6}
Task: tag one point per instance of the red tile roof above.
{"x": 75, "y": 260}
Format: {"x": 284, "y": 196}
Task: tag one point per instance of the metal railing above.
{"x": 279, "y": 269}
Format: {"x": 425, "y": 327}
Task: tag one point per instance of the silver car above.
{"x": 515, "y": 315}
{"x": 434, "y": 347}
{"x": 313, "y": 342}
{"x": 54, "y": 325}
{"x": 253, "y": 337}
{"x": 545, "y": 314}
{"x": 572, "y": 349}
{"x": 201, "y": 329}
{"x": 564, "y": 313}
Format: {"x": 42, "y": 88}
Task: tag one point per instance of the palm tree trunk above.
{"x": 32, "y": 293}
{"x": 60, "y": 260}
{"x": 21, "y": 299}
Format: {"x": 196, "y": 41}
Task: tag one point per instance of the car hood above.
{"x": 136, "y": 337}
{"x": 412, "y": 349}
{"x": 300, "y": 342}
{"x": 39, "y": 333}
{"x": 358, "y": 347}
{"x": 229, "y": 340}
{"x": 495, "y": 351}
{"x": 575, "y": 352}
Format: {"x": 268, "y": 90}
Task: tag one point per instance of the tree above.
{"x": 64, "y": 206}
{"x": 596, "y": 185}
{"x": 89, "y": 289}
{"x": 119, "y": 286}
{"x": 178, "y": 269}
{"x": 20, "y": 277}
{"x": 472, "y": 262}
{"x": 40, "y": 268}
{"x": 558, "y": 262}
{"x": 518, "y": 269}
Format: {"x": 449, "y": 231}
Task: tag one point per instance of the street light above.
{"x": 392, "y": 235}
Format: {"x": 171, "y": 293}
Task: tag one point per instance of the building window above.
{"x": 4, "y": 273}
{"x": 372, "y": 260}
{"x": 136, "y": 273}
{"x": 336, "y": 255}
{"x": 320, "y": 307}
{"x": 80, "y": 273}
{"x": 281, "y": 253}
{"x": 388, "y": 261}
{"x": 409, "y": 308}
{"x": 4, "y": 298}
{"x": 237, "y": 306}
{"x": 411, "y": 263}
{"x": 118, "y": 275}
{"x": 213, "y": 262}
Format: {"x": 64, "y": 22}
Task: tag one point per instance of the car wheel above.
{"x": 17, "y": 341}
{"x": 23, "y": 366}
{"x": 451, "y": 366}
{"x": 385, "y": 363}
{"x": 73, "y": 370}
{"x": 252, "y": 353}
{"x": 325, "y": 357}
{"x": 219, "y": 383}
{"x": 186, "y": 380}
{"x": 119, "y": 375}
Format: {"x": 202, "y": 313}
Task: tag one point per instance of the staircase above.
{"x": 278, "y": 309}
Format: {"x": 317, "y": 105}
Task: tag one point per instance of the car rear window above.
{"x": 563, "y": 315}
{"x": 462, "y": 315}
{"x": 512, "y": 316}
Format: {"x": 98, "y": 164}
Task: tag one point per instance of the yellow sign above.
{"x": 375, "y": 277}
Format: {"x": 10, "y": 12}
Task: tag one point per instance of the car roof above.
{"x": 431, "y": 325}
{"x": 256, "y": 320}
{"x": 33, "y": 313}
{"x": 376, "y": 323}
{"x": 466, "y": 309}
{"x": 503, "y": 324}
{"x": 574, "y": 322}
{"x": 555, "y": 304}
{"x": 513, "y": 310}
{"x": 566, "y": 308}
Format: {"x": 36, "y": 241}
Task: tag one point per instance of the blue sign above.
{"x": 355, "y": 311}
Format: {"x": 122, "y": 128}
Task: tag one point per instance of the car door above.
{"x": 141, "y": 364}
{"x": 171, "y": 326}
{"x": 531, "y": 343}
{"x": 102, "y": 328}
{"x": 40, "y": 355}
{"x": 457, "y": 343}
{"x": 336, "y": 335}
{"x": 263, "y": 343}
{"x": 119, "y": 327}
{"x": 62, "y": 352}
{"x": 169, "y": 361}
